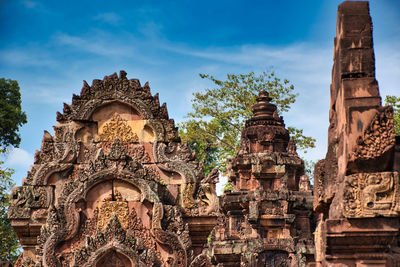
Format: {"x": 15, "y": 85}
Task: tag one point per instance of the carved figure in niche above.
{"x": 351, "y": 197}
{"x": 377, "y": 184}
{"x": 304, "y": 184}
{"x": 118, "y": 128}
{"x": 108, "y": 208}
{"x": 371, "y": 194}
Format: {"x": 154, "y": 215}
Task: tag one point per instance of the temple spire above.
{"x": 263, "y": 109}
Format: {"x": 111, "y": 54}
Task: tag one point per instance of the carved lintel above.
{"x": 371, "y": 195}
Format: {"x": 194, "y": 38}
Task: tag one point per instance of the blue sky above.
{"x": 49, "y": 47}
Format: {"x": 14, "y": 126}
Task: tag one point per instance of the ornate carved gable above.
{"x": 114, "y": 185}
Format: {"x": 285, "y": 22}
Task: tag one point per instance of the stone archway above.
{"x": 114, "y": 259}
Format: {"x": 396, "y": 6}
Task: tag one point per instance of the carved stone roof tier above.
{"x": 266, "y": 131}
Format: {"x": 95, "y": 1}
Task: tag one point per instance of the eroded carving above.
{"x": 378, "y": 137}
{"x": 26, "y": 198}
{"x": 371, "y": 194}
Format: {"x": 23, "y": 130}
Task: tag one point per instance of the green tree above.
{"x": 9, "y": 245}
{"x": 395, "y": 102}
{"x": 11, "y": 119}
{"x": 11, "y": 114}
{"x": 213, "y": 128}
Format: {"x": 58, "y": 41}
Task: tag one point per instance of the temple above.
{"x": 115, "y": 186}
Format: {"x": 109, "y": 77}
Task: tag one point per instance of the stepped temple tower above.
{"x": 115, "y": 186}
{"x": 265, "y": 221}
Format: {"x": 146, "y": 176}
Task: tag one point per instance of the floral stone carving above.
{"x": 108, "y": 209}
{"x": 118, "y": 128}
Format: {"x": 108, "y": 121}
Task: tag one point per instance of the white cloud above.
{"x": 20, "y": 158}
{"x": 27, "y": 57}
{"x": 29, "y": 4}
{"x": 108, "y": 17}
{"x": 95, "y": 47}
{"x": 117, "y": 49}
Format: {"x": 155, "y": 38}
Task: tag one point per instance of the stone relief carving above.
{"x": 378, "y": 137}
{"x": 371, "y": 195}
{"x": 118, "y": 128}
{"x": 26, "y": 198}
{"x": 108, "y": 209}
{"x": 112, "y": 237}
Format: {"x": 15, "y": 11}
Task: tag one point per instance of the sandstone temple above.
{"x": 115, "y": 186}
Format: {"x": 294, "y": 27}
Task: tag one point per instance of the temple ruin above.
{"x": 115, "y": 186}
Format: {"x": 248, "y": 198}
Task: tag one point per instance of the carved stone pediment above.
{"x": 114, "y": 186}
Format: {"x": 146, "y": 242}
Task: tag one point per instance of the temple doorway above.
{"x": 114, "y": 259}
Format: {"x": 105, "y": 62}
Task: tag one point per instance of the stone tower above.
{"x": 356, "y": 192}
{"x": 265, "y": 220}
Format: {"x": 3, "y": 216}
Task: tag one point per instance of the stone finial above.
{"x": 263, "y": 109}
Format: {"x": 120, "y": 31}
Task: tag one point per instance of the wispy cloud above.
{"x": 94, "y": 45}
{"x": 27, "y": 57}
{"x": 108, "y": 17}
{"x": 30, "y": 4}
{"x": 36, "y": 6}
{"x": 18, "y": 157}
{"x": 306, "y": 65}
{"x": 111, "y": 46}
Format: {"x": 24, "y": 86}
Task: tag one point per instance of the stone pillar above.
{"x": 356, "y": 193}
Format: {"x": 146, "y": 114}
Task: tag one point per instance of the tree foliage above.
{"x": 213, "y": 128}
{"x": 9, "y": 245}
{"x": 11, "y": 119}
{"x": 395, "y": 102}
{"x": 11, "y": 114}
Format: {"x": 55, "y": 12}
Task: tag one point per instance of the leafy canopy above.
{"x": 11, "y": 118}
{"x": 9, "y": 245}
{"x": 213, "y": 128}
{"x": 395, "y": 102}
{"x": 11, "y": 115}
